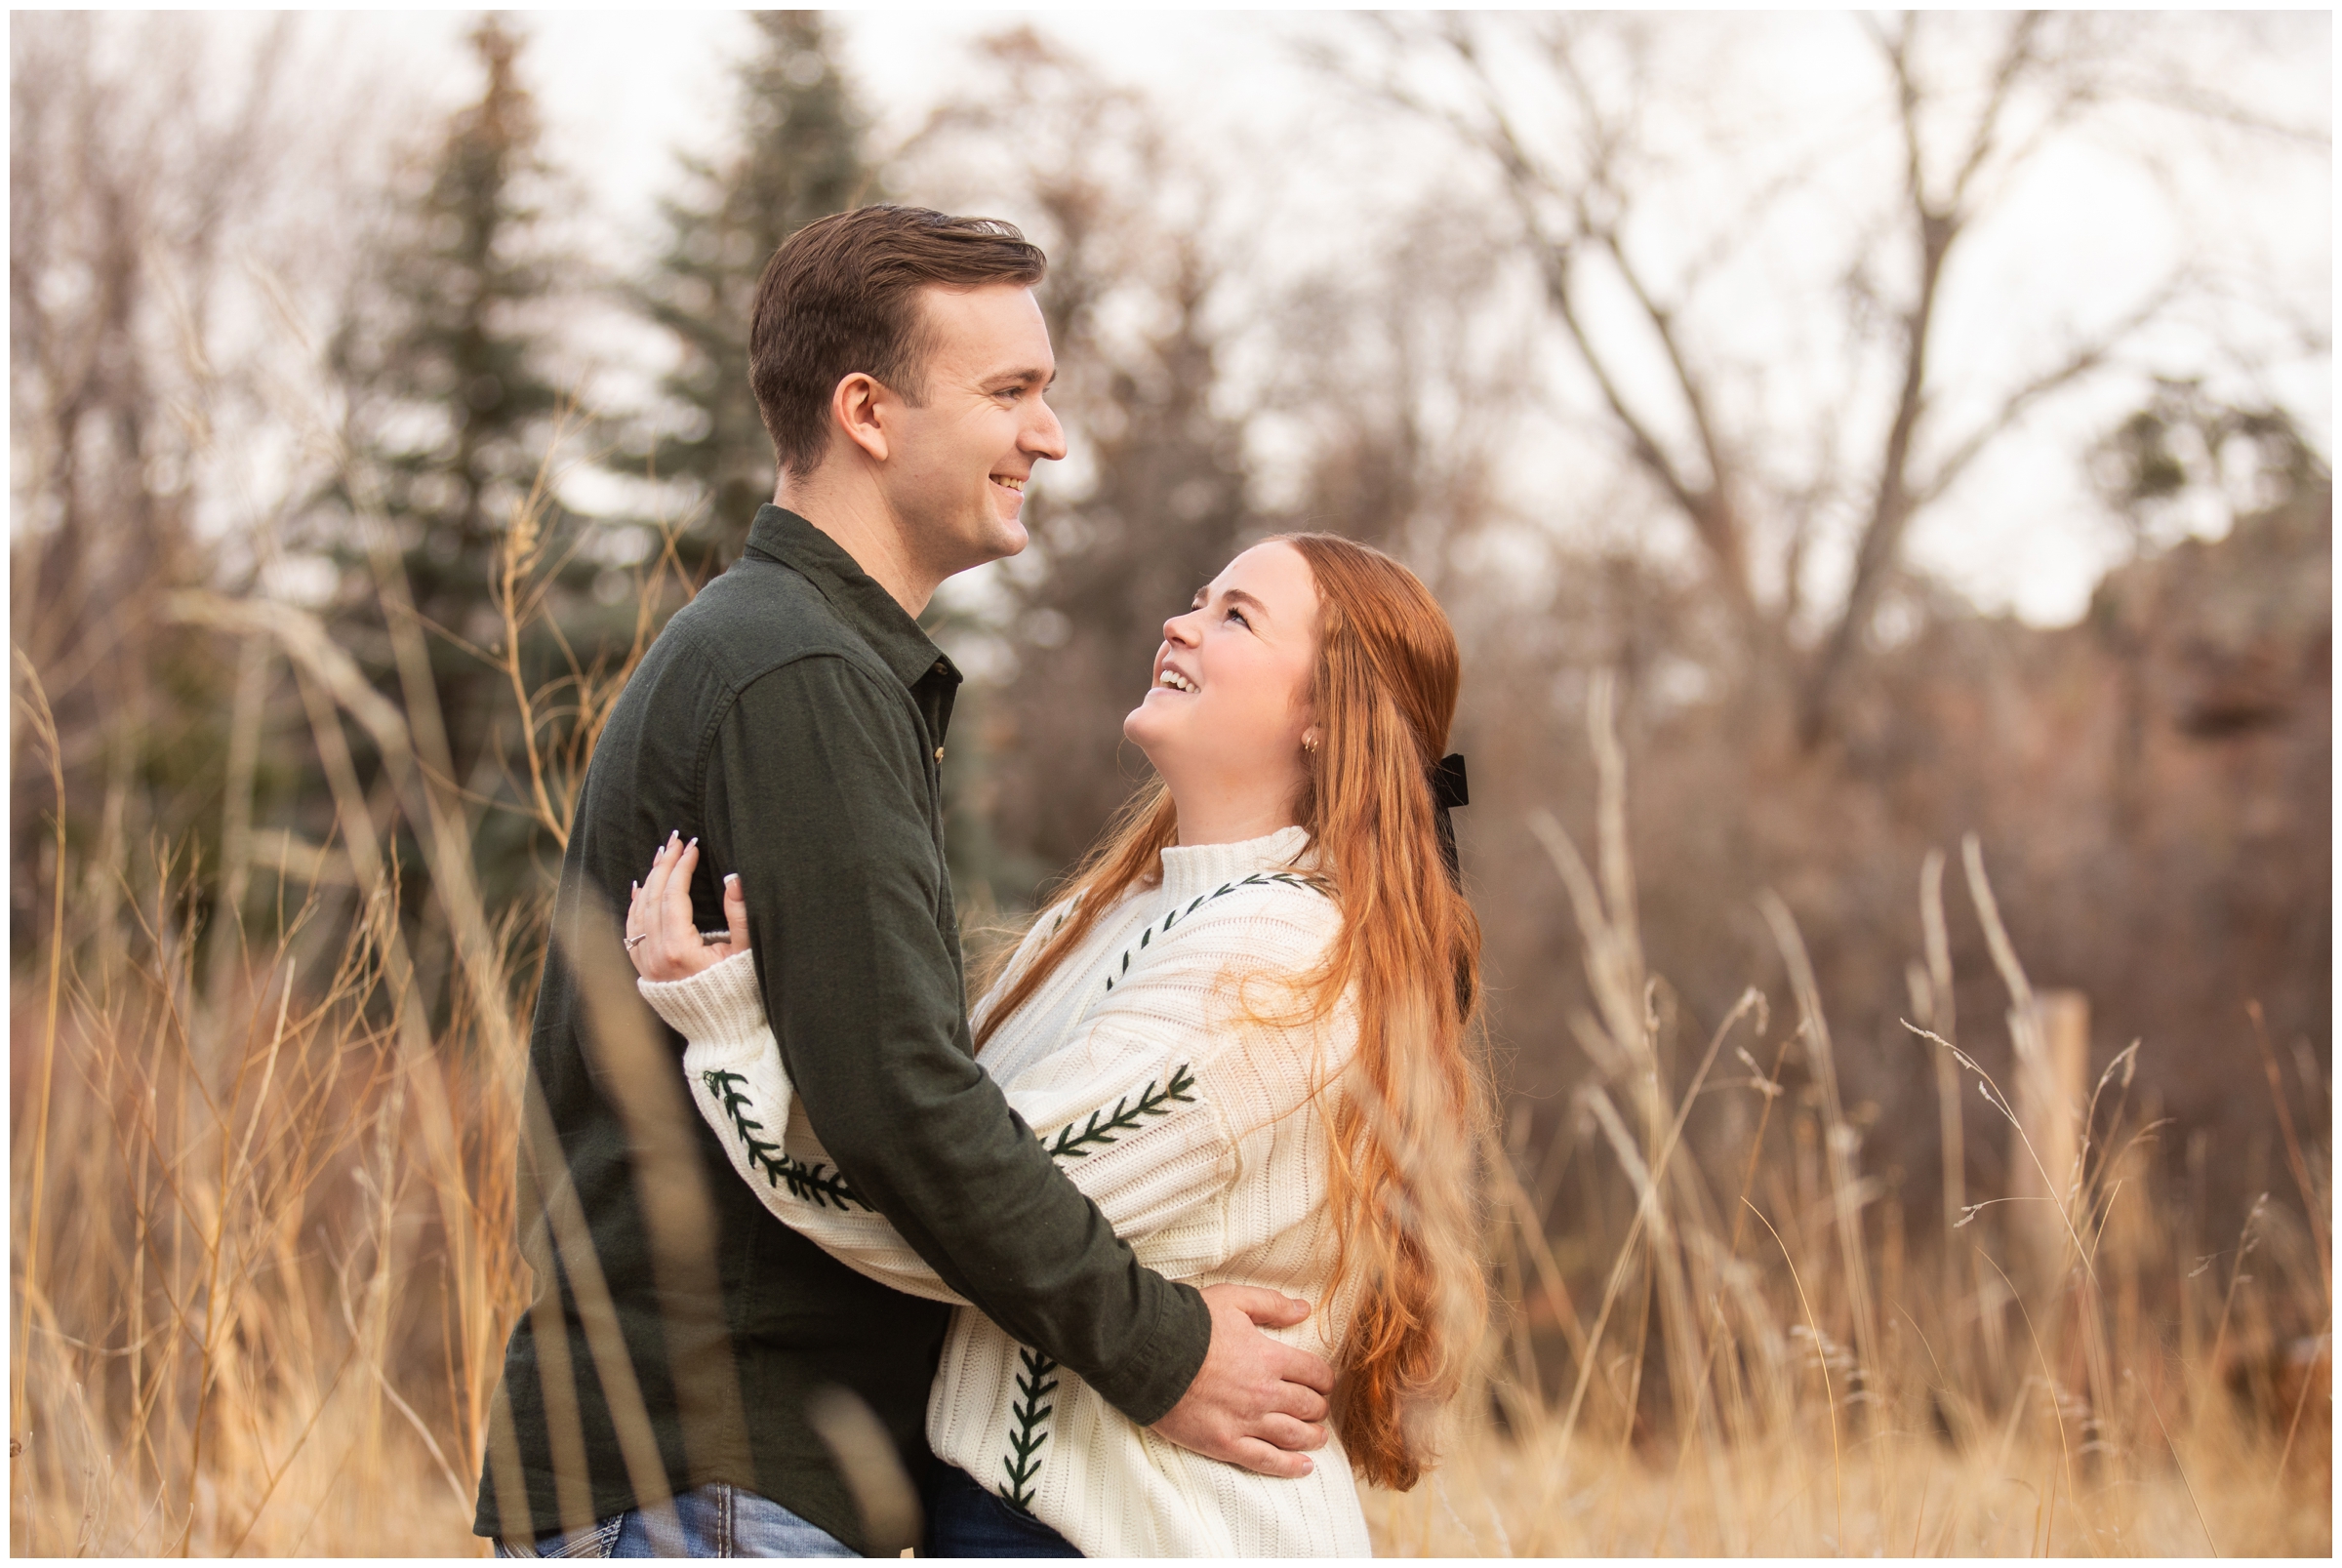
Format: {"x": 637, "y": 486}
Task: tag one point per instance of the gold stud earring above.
{"x": 1309, "y": 742}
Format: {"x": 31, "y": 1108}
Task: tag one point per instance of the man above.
{"x": 793, "y": 719}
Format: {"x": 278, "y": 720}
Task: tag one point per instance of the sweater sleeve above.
{"x": 1149, "y": 1109}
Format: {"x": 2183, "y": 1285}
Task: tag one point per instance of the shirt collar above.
{"x": 782, "y": 535}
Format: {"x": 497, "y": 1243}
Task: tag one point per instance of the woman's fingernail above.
{"x": 694, "y": 844}
{"x": 731, "y": 877}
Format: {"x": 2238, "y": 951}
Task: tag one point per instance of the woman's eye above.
{"x": 1238, "y": 615}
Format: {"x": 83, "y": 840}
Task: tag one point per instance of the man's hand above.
{"x": 1255, "y": 1402}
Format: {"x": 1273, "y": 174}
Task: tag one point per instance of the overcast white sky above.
{"x": 621, "y": 91}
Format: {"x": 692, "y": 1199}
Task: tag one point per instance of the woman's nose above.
{"x": 1175, "y": 630}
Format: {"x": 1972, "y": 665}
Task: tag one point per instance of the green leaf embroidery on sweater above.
{"x": 1102, "y": 1125}
{"x": 1292, "y": 879}
{"x": 816, "y": 1184}
{"x": 822, "y": 1186}
{"x": 1023, "y": 1462}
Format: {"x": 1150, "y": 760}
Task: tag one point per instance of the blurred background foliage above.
{"x": 291, "y": 371}
{"x": 205, "y": 395}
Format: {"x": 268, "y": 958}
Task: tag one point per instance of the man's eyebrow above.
{"x": 1025, "y": 378}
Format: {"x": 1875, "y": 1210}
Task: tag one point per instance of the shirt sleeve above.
{"x": 820, "y": 798}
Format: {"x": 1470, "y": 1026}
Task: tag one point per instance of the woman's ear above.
{"x": 1309, "y": 738}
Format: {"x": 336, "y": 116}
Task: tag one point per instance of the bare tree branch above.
{"x": 2016, "y": 58}
{"x": 1707, "y": 506}
{"x": 1891, "y": 504}
{"x": 2080, "y": 362}
{"x": 1577, "y": 169}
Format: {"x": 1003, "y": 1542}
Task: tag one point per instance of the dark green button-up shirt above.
{"x": 791, "y": 718}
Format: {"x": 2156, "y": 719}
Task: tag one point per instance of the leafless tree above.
{"x": 1589, "y": 130}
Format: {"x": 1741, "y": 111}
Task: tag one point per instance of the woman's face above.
{"x": 1229, "y": 700}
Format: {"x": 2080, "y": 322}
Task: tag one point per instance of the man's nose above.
{"x": 1045, "y": 437}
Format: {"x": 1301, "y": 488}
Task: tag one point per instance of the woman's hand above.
{"x": 660, "y": 936}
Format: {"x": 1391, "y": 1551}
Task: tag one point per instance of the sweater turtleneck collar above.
{"x": 1189, "y": 872}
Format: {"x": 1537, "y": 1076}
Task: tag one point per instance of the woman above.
{"x": 1242, "y": 1031}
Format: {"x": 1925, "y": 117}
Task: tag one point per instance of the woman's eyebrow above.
{"x": 1235, "y": 596}
{"x": 1229, "y": 595}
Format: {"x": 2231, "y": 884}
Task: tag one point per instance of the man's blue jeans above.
{"x": 720, "y": 1520}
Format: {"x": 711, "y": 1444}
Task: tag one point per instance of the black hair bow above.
{"x": 1448, "y": 791}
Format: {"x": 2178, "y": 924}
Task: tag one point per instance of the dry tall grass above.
{"x": 2066, "y": 1371}
{"x": 263, "y": 1261}
{"x": 264, "y": 1258}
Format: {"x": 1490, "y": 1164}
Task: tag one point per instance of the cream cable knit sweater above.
{"x": 1191, "y": 1125}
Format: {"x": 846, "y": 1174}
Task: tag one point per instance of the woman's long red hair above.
{"x": 1406, "y": 1116}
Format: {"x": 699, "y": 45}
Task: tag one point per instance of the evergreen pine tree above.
{"x": 458, "y": 416}
{"x": 799, "y": 157}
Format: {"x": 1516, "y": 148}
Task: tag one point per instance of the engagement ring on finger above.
{"x": 632, "y": 941}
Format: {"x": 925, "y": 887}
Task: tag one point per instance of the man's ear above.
{"x": 854, "y": 405}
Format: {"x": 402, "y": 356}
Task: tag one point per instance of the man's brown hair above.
{"x": 842, "y": 296}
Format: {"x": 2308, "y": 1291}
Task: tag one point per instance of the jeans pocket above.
{"x": 598, "y": 1541}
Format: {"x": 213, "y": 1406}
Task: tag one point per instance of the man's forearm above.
{"x": 934, "y": 1147}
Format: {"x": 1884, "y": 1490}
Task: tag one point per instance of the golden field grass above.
{"x": 263, "y": 1260}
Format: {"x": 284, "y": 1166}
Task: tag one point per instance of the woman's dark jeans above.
{"x": 965, "y": 1520}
